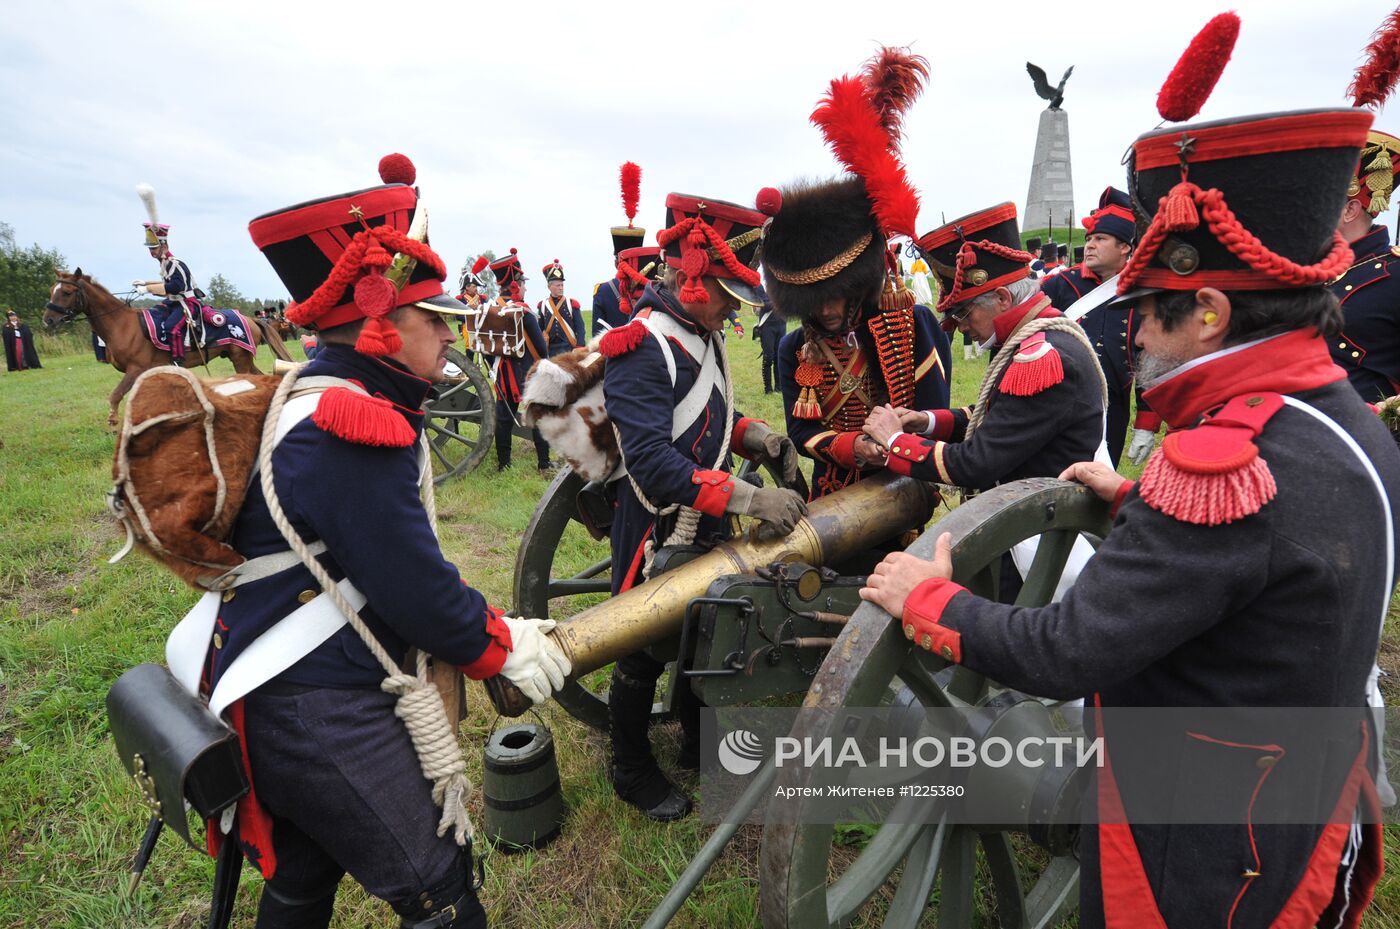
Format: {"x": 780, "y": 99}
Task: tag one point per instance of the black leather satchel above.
{"x": 174, "y": 747}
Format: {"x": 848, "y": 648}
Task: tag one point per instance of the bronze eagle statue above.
{"x": 1056, "y": 95}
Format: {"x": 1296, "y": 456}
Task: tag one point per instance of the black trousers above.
{"x": 769, "y": 335}
{"x": 337, "y": 771}
{"x": 507, "y": 414}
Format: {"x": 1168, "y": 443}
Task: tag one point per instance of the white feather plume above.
{"x": 147, "y": 193}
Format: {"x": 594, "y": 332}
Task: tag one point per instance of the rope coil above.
{"x": 419, "y": 703}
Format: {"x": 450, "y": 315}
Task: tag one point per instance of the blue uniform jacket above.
{"x": 829, "y": 443}
{"x": 1112, "y": 330}
{"x": 1368, "y": 348}
{"x": 640, "y": 400}
{"x": 362, "y": 501}
{"x": 554, "y": 333}
{"x": 606, "y": 307}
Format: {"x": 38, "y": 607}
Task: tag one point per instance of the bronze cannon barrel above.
{"x": 837, "y": 526}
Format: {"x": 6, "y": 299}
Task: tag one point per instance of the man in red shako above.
{"x": 637, "y": 264}
{"x": 337, "y": 785}
{"x": 510, "y": 368}
{"x": 1233, "y": 576}
{"x": 668, "y": 394}
{"x": 1111, "y": 230}
{"x": 1044, "y": 393}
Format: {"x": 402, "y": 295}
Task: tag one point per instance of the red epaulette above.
{"x": 1035, "y": 367}
{"x": 574, "y": 303}
{"x": 622, "y": 339}
{"x": 1213, "y": 474}
{"x": 362, "y": 419}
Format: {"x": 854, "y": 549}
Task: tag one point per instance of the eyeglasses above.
{"x": 958, "y": 316}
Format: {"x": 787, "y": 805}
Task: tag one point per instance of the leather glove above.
{"x": 766, "y": 446}
{"x": 1141, "y": 446}
{"x": 536, "y": 664}
{"x": 778, "y": 508}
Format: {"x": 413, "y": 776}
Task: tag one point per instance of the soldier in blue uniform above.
{"x": 1046, "y": 409}
{"x": 1230, "y": 567}
{"x": 1368, "y": 347}
{"x": 863, "y": 342}
{"x": 1111, "y": 232}
{"x": 560, "y": 317}
{"x": 668, "y": 394}
{"x": 769, "y": 330}
{"x": 337, "y": 784}
{"x": 511, "y": 367}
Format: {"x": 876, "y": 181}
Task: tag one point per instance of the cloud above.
{"x": 519, "y": 115}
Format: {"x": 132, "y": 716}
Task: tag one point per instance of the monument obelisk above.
{"x": 1050, "y": 200}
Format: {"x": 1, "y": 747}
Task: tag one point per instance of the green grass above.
{"x": 70, "y": 624}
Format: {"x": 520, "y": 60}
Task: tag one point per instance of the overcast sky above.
{"x": 519, "y": 114}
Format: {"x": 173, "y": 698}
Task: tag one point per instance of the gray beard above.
{"x": 1153, "y": 369}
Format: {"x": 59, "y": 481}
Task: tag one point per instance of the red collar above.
{"x": 1287, "y": 363}
{"x": 1037, "y": 307}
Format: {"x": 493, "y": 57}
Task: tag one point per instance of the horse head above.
{"x": 67, "y": 299}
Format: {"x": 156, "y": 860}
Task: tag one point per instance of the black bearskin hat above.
{"x": 824, "y": 244}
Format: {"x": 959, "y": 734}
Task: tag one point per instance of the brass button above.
{"x": 1265, "y": 762}
{"x": 909, "y": 632}
{"x": 1348, "y": 287}
{"x": 1379, "y": 265}
{"x": 1356, "y": 354}
{"x": 926, "y": 641}
{"x": 1341, "y": 345}
{"x": 1254, "y": 401}
{"x": 427, "y": 904}
{"x": 228, "y": 595}
{"x": 947, "y": 652}
{"x": 218, "y": 641}
{"x": 306, "y": 596}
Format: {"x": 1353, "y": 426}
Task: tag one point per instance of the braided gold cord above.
{"x": 830, "y": 269}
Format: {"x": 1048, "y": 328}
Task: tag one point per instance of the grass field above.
{"x": 70, "y": 624}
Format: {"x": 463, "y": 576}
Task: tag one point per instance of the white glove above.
{"x": 536, "y": 664}
{"x": 1141, "y": 446}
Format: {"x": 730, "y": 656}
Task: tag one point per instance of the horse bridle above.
{"x": 79, "y": 304}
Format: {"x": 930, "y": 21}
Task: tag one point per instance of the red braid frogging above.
{"x": 967, "y": 257}
{"x": 696, "y": 262}
{"x": 362, "y": 264}
{"x": 1177, "y": 212}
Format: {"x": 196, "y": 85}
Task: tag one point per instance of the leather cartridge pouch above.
{"x": 596, "y": 502}
{"x": 175, "y": 749}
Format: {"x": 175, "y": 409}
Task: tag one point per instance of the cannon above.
{"x": 752, "y": 620}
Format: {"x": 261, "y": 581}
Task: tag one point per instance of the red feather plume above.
{"x": 1375, "y": 79}
{"x": 1198, "y": 69}
{"x": 631, "y": 189}
{"x": 480, "y": 265}
{"x": 895, "y": 78}
{"x": 853, "y": 128}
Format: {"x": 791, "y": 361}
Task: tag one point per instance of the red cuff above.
{"x": 1146, "y": 419}
{"x": 493, "y": 657}
{"x": 921, "y": 614}
{"x": 942, "y": 424}
{"x": 842, "y": 449}
{"x": 906, "y": 452}
{"x": 1119, "y": 497}
{"x": 736, "y": 437}
{"x": 716, "y": 488}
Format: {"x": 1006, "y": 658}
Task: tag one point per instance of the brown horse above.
{"x": 128, "y": 348}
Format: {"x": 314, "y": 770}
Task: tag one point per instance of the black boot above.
{"x": 282, "y": 910}
{"x": 635, "y": 775}
{"x": 686, "y": 706}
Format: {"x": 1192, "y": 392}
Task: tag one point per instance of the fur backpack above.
{"x": 185, "y": 457}
{"x": 563, "y": 398}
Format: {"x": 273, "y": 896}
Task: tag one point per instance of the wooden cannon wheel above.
{"x": 560, "y": 569}
{"x": 798, "y": 886}
{"x": 461, "y": 418}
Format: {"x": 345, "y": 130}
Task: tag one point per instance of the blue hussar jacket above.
{"x": 640, "y": 402}
{"x": 362, "y": 501}
{"x": 1368, "y": 348}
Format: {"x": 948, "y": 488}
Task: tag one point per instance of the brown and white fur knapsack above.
{"x": 563, "y": 398}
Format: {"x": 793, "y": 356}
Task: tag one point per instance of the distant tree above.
{"x": 26, "y": 274}
{"x": 221, "y": 293}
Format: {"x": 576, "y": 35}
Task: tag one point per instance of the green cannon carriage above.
{"x": 752, "y": 621}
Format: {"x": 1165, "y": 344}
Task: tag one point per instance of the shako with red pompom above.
{"x": 397, "y": 169}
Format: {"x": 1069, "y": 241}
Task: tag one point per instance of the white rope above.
{"x": 1007, "y": 353}
{"x": 688, "y": 521}
{"x": 419, "y": 704}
